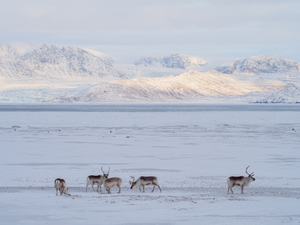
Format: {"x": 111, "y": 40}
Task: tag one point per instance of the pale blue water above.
{"x": 19, "y": 107}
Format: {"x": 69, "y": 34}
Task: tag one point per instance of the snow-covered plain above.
{"x": 192, "y": 149}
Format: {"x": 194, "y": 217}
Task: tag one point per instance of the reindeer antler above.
{"x": 130, "y": 182}
{"x": 246, "y": 170}
{"x": 251, "y": 174}
{"x": 102, "y": 169}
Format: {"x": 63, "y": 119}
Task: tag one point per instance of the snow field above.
{"x": 191, "y": 153}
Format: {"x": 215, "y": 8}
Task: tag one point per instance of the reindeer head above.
{"x": 251, "y": 175}
{"x": 132, "y": 183}
{"x": 105, "y": 175}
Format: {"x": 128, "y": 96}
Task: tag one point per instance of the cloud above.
{"x": 173, "y": 25}
{"x": 146, "y": 15}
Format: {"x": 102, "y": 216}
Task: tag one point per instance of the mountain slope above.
{"x": 260, "y": 64}
{"x": 179, "y": 61}
{"x": 188, "y": 85}
{"x": 287, "y": 95}
{"x": 52, "y": 62}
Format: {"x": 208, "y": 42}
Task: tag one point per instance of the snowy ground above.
{"x": 191, "y": 153}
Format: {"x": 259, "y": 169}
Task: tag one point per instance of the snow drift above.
{"x": 259, "y": 64}
{"x": 192, "y": 84}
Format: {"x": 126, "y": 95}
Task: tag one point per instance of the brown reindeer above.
{"x": 240, "y": 181}
{"x": 144, "y": 181}
{"x": 96, "y": 179}
{"x": 112, "y": 182}
{"x": 61, "y": 186}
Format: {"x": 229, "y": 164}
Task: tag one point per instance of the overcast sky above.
{"x": 128, "y": 29}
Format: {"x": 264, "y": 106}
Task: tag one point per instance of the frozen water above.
{"x": 192, "y": 152}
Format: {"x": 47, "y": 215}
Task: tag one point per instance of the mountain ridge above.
{"x": 177, "y": 60}
{"x": 259, "y": 64}
{"x": 188, "y": 85}
{"x": 53, "y": 62}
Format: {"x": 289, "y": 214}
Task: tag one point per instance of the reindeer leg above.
{"x": 229, "y": 188}
{"x": 242, "y": 189}
{"x": 156, "y": 183}
{"x": 140, "y": 189}
{"x": 119, "y": 189}
{"x": 143, "y": 188}
{"x": 159, "y": 188}
{"x": 98, "y": 187}
{"x": 93, "y": 187}
{"x": 153, "y": 187}
{"x": 56, "y": 191}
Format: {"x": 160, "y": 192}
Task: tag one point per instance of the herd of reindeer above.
{"x": 61, "y": 186}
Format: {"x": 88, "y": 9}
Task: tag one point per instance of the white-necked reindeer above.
{"x": 61, "y": 186}
{"x": 240, "y": 181}
{"x": 112, "y": 182}
{"x": 144, "y": 181}
{"x": 96, "y": 179}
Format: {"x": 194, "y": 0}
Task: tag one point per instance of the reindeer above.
{"x": 60, "y": 184}
{"x": 112, "y": 182}
{"x": 96, "y": 179}
{"x": 144, "y": 181}
{"x": 240, "y": 181}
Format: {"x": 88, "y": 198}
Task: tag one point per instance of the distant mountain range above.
{"x": 69, "y": 62}
{"x": 179, "y": 61}
{"x": 189, "y": 85}
{"x": 27, "y": 72}
{"x": 259, "y": 64}
{"x": 53, "y": 62}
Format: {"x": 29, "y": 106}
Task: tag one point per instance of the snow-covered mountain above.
{"x": 287, "y": 95}
{"x": 188, "y": 85}
{"x": 32, "y": 73}
{"x": 179, "y": 61}
{"x": 53, "y": 62}
{"x": 16, "y": 49}
{"x": 259, "y": 64}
